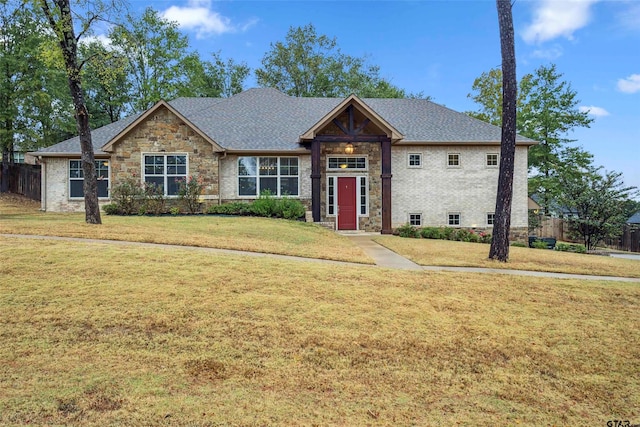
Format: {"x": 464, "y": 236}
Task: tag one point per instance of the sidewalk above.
{"x": 382, "y": 257}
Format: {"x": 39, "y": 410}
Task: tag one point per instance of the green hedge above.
{"x": 444, "y": 233}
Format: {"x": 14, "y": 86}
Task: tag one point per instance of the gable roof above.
{"x": 353, "y": 100}
{"x": 265, "y": 119}
{"x": 635, "y": 218}
{"x": 162, "y": 104}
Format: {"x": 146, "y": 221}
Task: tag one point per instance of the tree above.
{"x": 307, "y": 64}
{"x": 32, "y": 92}
{"x": 550, "y": 112}
{"x": 58, "y": 14}
{"x": 547, "y": 111}
{"x": 216, "y": 78}
{"x": 499, "y": 249}
{"x": 596, "y": 204}
{"x": 104, "y": 77}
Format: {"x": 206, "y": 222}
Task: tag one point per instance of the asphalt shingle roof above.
{"x": 266, "y": 119}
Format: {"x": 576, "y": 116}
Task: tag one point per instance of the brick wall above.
{"x": 435, "y": 189}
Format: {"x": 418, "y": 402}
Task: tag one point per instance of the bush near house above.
{"x": 265, "y": 206}
{"x": 444, "y": 233}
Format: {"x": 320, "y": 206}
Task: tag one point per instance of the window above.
{"x": 18, "y": 157}
{"x": 492, "y": 159}
{"x": 278, "y": 175}
{"x": 347, "y": 163}
{"x": 76, "y": 178}
{"x": 454, "y": 219}
{"x": 331, "y": 195}
{"x": 362, "y": 195}
{"x": 166, "y": 171}
{"x": 415, "y": 219}
{"x": 491, "y": 218}
{"x": 453, "y": 160}
{"x": 415, "y": 160}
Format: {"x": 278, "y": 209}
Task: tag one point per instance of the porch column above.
{"x": 315, "y": 180}
{"x": 386, "y": 186}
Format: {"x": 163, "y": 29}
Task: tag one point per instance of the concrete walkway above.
{"x": 382, "y": 257}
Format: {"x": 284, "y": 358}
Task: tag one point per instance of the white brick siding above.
{"x": 229, "y": 175}
{"x": 55, "y": 181}
{"x": 435, "y": 189}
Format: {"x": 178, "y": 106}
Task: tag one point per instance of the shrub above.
{"x": 519, "y": 244}
{"x": 189, "y": 191}
{"x": 461, "y": 235}
{"x": 566, "y": 247}
{"x": 265, "y": 205}
{"x": 154, "y": 200}
{"x": 485, "y": 237}
{"x": 232, "y": 208}
{"x": 432, "y": 233}
{"x": 111, "y": 209}
{"x": 174, "y": 210}
{"x": 539, "y": 244}
{"x": 128, "y": 196}
{"x": 449, "y": 233}
{"x": 408, "y": 230}
{"x": 288, "y": 208}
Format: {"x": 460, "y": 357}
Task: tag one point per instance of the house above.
{"x": 363, "y": 164}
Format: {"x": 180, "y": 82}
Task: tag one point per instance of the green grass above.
{"x": 462, "y": 254}
{"x": 95, "y": 334}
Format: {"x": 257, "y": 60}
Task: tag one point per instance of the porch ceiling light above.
{"x": 348, "y": 149}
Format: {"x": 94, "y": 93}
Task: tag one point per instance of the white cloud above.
{"x": 630, "y": 18}
{"x": 594, "y": 111}
{"x": 550, "y": 54}
{"x": 198, "y": 16}
{"x": 557, "y": 18}
{"x": 629, "y": 85}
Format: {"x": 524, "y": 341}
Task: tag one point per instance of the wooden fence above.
{"x": 22, "y": 179}
{"x": 558, "y": 228}
{"x": 628, "y": 241}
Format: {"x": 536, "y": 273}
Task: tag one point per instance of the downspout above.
{"x": 43, "y": 184}
{"x": 224, "y": 156}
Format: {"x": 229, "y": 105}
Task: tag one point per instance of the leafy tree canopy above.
{"x": 309, "y": 64}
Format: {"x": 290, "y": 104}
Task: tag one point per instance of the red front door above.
{"x": 347, "y": 204}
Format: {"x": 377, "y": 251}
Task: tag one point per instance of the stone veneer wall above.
{"x": 164, "y": 133}
{"x": 373, "y": 221}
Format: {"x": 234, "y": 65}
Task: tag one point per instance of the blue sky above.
{"x": 440, "y": 47}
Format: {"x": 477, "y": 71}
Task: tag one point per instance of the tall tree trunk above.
{"x": 500, "y": 243}
{"x": 63, "y": 28}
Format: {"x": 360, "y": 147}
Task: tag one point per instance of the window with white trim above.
{"x": 453, "y": 160}
{"x": 453, "y": 219}
{"x": 76, "y": 178}
{"x": 492, "y": 159}
{"x": 491, "y": 217}
{"x": 278, "y": 175}
{"x": 331, "y": 195}
{"x": 415, "y": 160}
{"x": 359, "y": 163}
{"x": 165, "y": 171}
{"x": 363, "y": 194}
{"x": 415, "y": 219}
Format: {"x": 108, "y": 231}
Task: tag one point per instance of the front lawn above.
{"x": 20, "y": 216}
{"x": 94, "y": 334}
{"x": 462, "y": 254}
